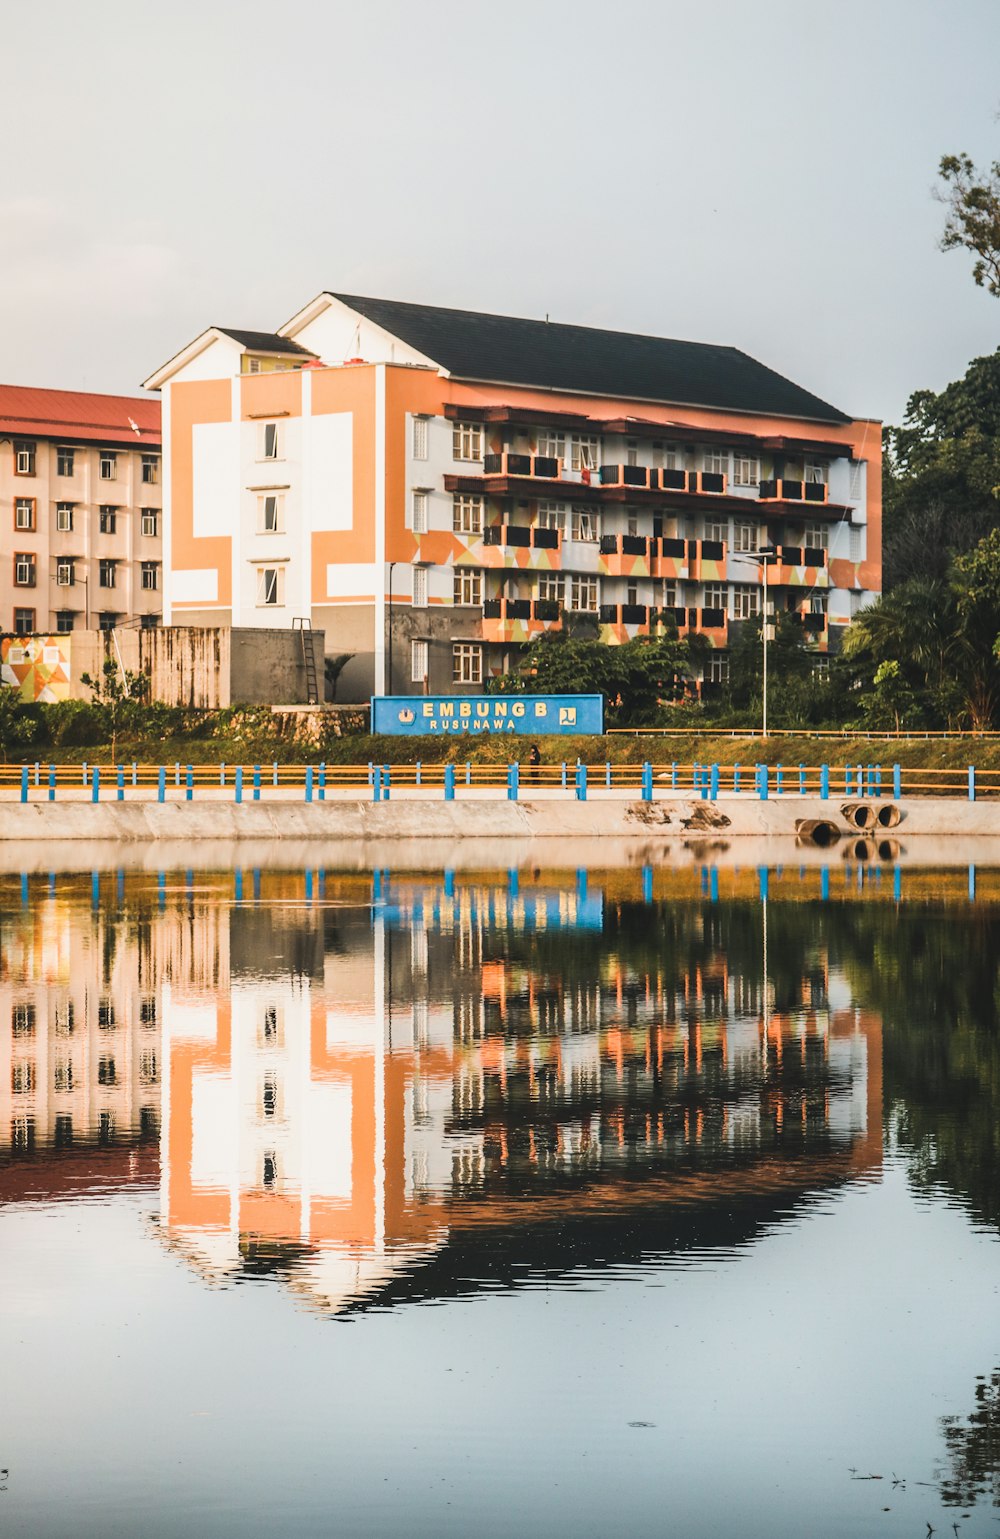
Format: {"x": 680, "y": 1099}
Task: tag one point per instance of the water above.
{"x": 506, "y": 1203}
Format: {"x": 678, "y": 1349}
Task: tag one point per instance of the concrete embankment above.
{"x": 413, "y": 818}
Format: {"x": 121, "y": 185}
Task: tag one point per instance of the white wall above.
{"x": 337, "y": 334}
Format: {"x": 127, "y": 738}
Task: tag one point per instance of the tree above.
{"x": 120, "y": 694}
{"x": 972, "y": 199}
{"x": 16, "y": 725}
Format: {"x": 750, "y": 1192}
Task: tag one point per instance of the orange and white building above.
{"x": 434, "y": 488}
{"x": 80, "y": 523}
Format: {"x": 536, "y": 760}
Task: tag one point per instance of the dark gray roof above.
{"x": 501, "y": 349}
{"x": 264, "y": 341}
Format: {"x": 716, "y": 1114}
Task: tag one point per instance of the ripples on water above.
{"x": 725, "y": 1142}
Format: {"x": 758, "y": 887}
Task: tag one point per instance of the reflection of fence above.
{"x": 647, "y": 781}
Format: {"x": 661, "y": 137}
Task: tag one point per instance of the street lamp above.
{"x": 767, "y": 554}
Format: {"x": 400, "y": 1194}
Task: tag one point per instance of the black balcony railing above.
{"x": 510, "y": 464}
{"x": 674, "y": 547}
{"x": 713, "y": 619}
{"x": 547, "y": 467}
{"x": 814, "y": 623}
{"x": 518, "y": 609}
{"x": 491, "y": 609}
{"x": 516, "y": 534}
{"x": 712, "y": 481}
{"x": 815, "y": 491}
{"x": 624, "y": 475}
{"x": 609, "y": 544}
{"x": 674, "y": 614}
{"x": 545, "y": 539}
{"x": 674, "y": 480}
{"x": 814, "y": 556}
{"x": 791, "y": 555}
{"x": 492, "y": 464}
{"x": 608, "y": 614}
{"x": 791, "y": 490}
{"x": 712, "y": 550}
{"x": 635, "y": 545}
{"x": 547, "y": 609}
{"x": 634, "y": 614}
{"x": 493, "y": 534}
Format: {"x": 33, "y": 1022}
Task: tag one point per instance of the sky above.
{"x": 758, "y": 174}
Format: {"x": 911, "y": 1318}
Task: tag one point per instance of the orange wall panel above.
{"x": 190, "y": 403}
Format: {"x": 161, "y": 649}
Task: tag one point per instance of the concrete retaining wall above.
{"x": 475, "y": 820}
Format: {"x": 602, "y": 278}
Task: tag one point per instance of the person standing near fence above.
{"x": 534, "y": 760}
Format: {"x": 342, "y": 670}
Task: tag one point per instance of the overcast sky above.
{"x": 757, "y": 174}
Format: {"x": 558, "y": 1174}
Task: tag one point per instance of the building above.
{"x": 80, "y": 532}
{"x": 435, "y": 488}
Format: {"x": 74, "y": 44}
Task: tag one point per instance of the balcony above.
{"x": 816, "y": 628}
{"x": 639, "y": 477}
{"x": 519, "y": 619}
{"x": 541, "y": 467}
{"x": 520, "y": 545}
{"x": 707, "y": 560}
{"x": 626, "y": 555}
{"x": 625, "y": 614}
{"x": 709, "y": 622}
{"x": 672, "y": 560}
{"x": 793, "y": 491}
{"x": 798, "y": 567}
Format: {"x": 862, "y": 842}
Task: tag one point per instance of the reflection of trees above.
{"x": 973, "y": 1444}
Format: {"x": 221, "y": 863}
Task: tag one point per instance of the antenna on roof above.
{"x": 546, "y": 317}
{"x": 135, "y": 427}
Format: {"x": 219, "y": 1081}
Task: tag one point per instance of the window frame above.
{"x": 28, "y": 505}
{"x": 25, "y": 456}
{"x": 27, "y": 561}
{"x": 741, "y": 475}
{"x": 583, "y": 585}
{"x": 467, "y": 580}
{"x": 107, "y": 567}
{"x": 550, "y": 444}
{"x": 263, "y": 527}
{"x": 150, "y": 462}
{"x": 578, "y": 518}
{"x": 746, "y": 527}
{"x": 149, "y": 569}
{"x": 717, "y": 596}
{"x": 419, "y": 503}
{"x": 556, "y": 582}
{"x": 745, "y": 601}
{"x": 467, "y": 441}
{"x": 551, "y": 515}
{"x": 107, "y": 465}
{"x": 25, "y": 621}
{"x": 278, "y": 588}
{"x": 65, "y": 455}
{"x": 62, "y": 616}
{"x": 149, "y": 516}
{"x": 64, "y": 510}
{"x": 418, "y": 653}
{"x": 272, "y": 429}
{"x": 418, "y": 588}
{"x": 107, "y": 518}
{"x": 475, "y": 504}
{"x": 715, "y": 461}
{"x": 66, "y": 564}
{"x": 466, "y": 662}
{"x": 816, "y": 537}
{"x": 584, "y": 451}
{"x": 420, "y": 440}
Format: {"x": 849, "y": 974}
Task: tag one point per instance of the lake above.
{"x": 513, "y": 1203}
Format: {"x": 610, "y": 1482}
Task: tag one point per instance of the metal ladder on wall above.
{"x": 306, "y": 641}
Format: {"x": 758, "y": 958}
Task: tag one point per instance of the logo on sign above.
{"x": 567, "y": 716}
{"x": 406, "y": 716}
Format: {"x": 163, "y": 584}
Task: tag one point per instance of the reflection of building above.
{"x": 386, "y": 1088}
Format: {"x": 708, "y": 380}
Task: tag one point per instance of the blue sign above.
{"x": 529, "y": 715}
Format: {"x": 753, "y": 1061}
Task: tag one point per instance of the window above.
{"x": 24, "y": 513}
{"x": 64, "y": 517}
{"x": 718, "y": 669}
{"x": 716, "y": 595}
{"x": 468, "y": 586}
{"x": 551, "y": 585}
{"x": 106, "y": 1015}
{"x": 418, "y": 661}
{"x": 631, "y": 452}
{"x": 149, "y": 1072}
{"x": 419, "y": 512}
{"x": 253, "y": 365}
{"x": 467, "y": 441}
{"x": 22, "y": 1019}
{"x": 815, "y": 473}
{"x": 715, "y": 461}
{"x": 106, "y": 1071}
{"x": 817, "y": 603}
{"x": 22, "y": 1077}
{"x": 717, "y": 530}
{"x": 65, "y": 572}
{"x": 467, "y": 515}
{"x": 150, "y": 523}
{"x": 150, "y": 576}
{"x": 24, "y": 457}
{"x": 64, "y": 460}
{"x": 107, "y": 572}
{"x": 147, "y": 1011}
{"x": 632, "y": 524}
{"x": 551, "y": 515}
{"x": 62, "y": 1074}
{"x": 817, "y": 537}
{"x": 583, "y": 595}
{"x": 552, "y": 446}
{"x": 669, "y": 595}
{"x": 857, "y": 544}
{"x": 269, "y": 511}
{"x": 150, "y": 469}
{"x": 585, "y": 453}
{"x": 467, "y": 663}
{"x": 24, "y": 622}
{"x": 746, "y": 601}
{"x": 24, "y": 570}
{"x": 745, "y": 536}
{"x": 583, "y": 524}
{"x": 268, "y": 447}
{"x": 107, "y": 620}
{"x": 665, "y": 456}
{"x": 420, "y": 587}
{"x": 632, "y": 593}
{"x": 65, "y": 620}
{"x": 270, "y": 587}
{"x": 107, "y": 520}
{"x": 420, "y": 438}
{"x": 108, "y": 470}
{"x": 746, "y": 470}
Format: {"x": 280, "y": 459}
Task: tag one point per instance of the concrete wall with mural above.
{"x": 200, "y": 667}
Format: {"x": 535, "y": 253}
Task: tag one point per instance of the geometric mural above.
{"x": 37, "y": 665}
